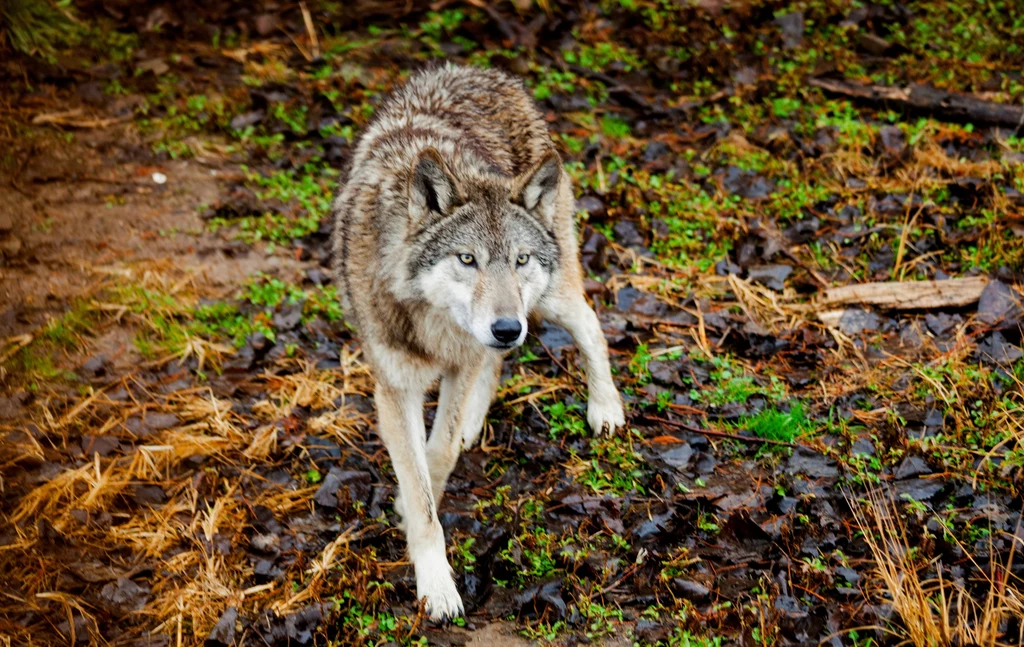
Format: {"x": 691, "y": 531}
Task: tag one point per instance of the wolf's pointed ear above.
{"x": 538, "y": 189}
{"x": 432, "y": 188}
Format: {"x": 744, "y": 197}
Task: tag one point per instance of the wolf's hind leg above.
{"x": 461, "y": 407}
{"x": 572, "y": 312}
{"x": 400, "y": 426}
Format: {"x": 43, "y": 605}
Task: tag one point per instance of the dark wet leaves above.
{"x": 123, "y": 596}
{"x": 1000, "y": 306}
{"x": 811, "y": 463}
{"x": 910, "y": 467}
{"x": 223, "y": 633}
{"x": 919, "y": 489}
{"x": 746, "y": 184}
{"x": 771, "y": 276}
{"x": 542, "y": 600}
{"x": 792, "y": 27}
{"x": 995, "y": 349}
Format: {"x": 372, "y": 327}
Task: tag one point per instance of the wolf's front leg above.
{"x": 400, "y": 425}
{"x": 572, "y": 312}
{"x": 462, "y": 405}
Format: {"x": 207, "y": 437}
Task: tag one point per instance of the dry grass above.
{"x": 937, "y": 612}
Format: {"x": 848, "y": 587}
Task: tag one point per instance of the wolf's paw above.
{"x": 604, "y": 413}
{"x": 435, "y": 583}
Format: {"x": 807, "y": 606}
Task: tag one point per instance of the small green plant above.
{"x": 614, "y": 466}
{"x": 683, "y": 638}
{"x": 639, "y": 364}
{"x": 564, "y": 421}
{"x": 614, "y": 127}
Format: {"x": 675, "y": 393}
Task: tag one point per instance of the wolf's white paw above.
{"x": 434, "y": 582}
{"x": 604, "y": 413}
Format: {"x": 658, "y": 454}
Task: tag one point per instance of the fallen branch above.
{"x": 75, "y": 119}
{"x": 909, "y": 295}
{"x": 718, "y": 434}
{"x": 949, "y": 106}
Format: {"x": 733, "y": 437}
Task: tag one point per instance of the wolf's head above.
{"x": 482, "y": 249}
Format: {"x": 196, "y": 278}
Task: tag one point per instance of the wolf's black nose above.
{"x": 506, "y": 330}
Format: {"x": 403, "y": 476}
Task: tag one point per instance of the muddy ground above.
{"x": 187, "y": 450}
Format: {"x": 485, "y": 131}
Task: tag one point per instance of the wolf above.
{"x": 454, "y": 226}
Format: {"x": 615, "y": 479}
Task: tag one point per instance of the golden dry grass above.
{"x": 937, "y": 611}
{"x": 192, "y": 583}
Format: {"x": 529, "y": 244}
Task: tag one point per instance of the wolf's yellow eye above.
{"x": 467, "y": 259}
{"x": 522, "y": 259}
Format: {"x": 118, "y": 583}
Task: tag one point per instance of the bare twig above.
{"x": 718, "y": 434}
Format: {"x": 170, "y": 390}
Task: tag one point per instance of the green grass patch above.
{"x": 307, "y": 192}
{"x": 774, "y": 424}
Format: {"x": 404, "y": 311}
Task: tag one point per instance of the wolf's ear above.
{"x": 432, "y": 188}
{"x": 538, "y": 188}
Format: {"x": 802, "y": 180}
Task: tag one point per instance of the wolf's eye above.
{"x": 522, "y": 259}
{"x": 467, "y": 259}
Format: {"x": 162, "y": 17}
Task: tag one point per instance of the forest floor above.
{"x": 187, "y": 445}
